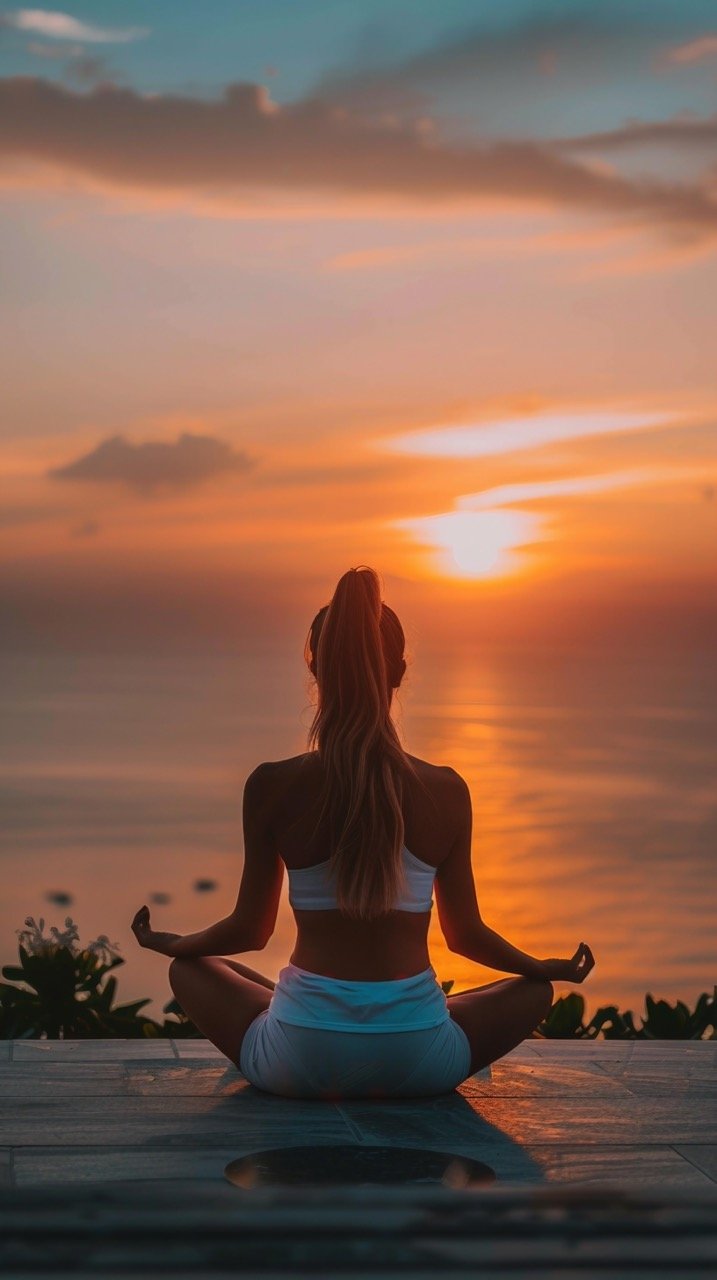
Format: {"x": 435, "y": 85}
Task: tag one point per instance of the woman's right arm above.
{"x": 466, "y": 932}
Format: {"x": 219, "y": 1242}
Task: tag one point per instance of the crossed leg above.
{"x": 222, "y": 997}
{"x": 498, "y": 1016}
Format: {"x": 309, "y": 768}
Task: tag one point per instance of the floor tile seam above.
{"x": 570, "y": 1091}
{"x": 683, "y": 1156}
{"x": 622, "y": 1096}
{"x": 54, "y": 1099}
{"x": 610, "y": 1075}
{"x": 133, "y": 1108}
{"x": 121, "y": 1093}
{"x": 128, "y": 1148}
{"x": 108, "y": 1046}
{"x": 201, "y": 1143}
{"x": 570, "y": 1048}
{"x": 353, "y": 1126}
{"x": 570, "y": 1140}
{"x": 606, "y": 1146}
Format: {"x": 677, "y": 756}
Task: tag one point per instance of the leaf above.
{"x": 565, "y": 1019}
{"x": 611, "y": 1022}
{"x": 13, "y": 972}
{"x": 106, "y": 996}
{"x": 126, "y": 1009}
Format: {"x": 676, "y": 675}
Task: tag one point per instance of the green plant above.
{"x": 675, "y": 1022}
{"x": 565, "y": 1019}
{"x": 661, "y": 1021}
{"x": 65, "y": 991}
{"x": 180, "y": 1029}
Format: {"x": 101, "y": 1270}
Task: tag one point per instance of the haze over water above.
{"x": 592, "y": 784}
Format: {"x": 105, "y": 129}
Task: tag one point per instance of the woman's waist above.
{"x": 300, "y": 973}
{"x": 377, "y": 952}
{"x": 308, "y": 998}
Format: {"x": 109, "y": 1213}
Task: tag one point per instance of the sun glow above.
{"x": 486, "y": 537}
{"x": 476, "y": 544}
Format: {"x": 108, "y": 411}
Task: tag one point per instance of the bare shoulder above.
{"x": 441, "y": 775}
{"x": 270, "y": 775}
{"x": 444, "y": 783}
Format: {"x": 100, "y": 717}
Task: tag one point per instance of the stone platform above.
{"x": 132, "y": 1137}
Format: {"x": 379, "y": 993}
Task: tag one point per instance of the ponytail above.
{"x": 355, "y": 650}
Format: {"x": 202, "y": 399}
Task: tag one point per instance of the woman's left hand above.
{"x": 149, "y": 937}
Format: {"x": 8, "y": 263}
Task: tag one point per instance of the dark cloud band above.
{"x": 243, "y": 140}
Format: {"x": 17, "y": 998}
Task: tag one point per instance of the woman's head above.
{"x": 350, "y": 637}
{"x": 355, "y": 650}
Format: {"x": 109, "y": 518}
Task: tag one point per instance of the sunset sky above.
{"x": 290, "y": 285}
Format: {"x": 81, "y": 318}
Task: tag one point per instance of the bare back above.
{"x": 394, "y": 945}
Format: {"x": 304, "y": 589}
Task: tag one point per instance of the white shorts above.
{"x": 318, "y": 1062}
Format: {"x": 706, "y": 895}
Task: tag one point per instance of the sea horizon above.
{"x": 591, "y": 778}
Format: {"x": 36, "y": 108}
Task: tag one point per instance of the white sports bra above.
{"x": 311, "y": 888}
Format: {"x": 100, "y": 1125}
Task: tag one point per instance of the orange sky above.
{"x": 492, "y": 395}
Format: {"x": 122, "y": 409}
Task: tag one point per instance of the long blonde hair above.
{"x": 355, "y": 650}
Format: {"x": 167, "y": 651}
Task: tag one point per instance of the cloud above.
{"x": 509, "y": 495}
{"x": 540, "y": 46}
{"x": 62, "y": 26}
{"x": 243, "y": 141}
{"x": 696, "y": 50}
{"x": 684, "y": 129}
{"x": 510, "y": 435}
{"x": 188, "y": 461}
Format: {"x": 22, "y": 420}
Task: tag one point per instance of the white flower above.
{"x": 103, "y": 948}
{"x": 70, "y": 935}
{"x": 34, "y": 940}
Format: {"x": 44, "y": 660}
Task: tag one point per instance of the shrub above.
{"x": 66, "y": 992}
{"x": 661, "y": 1021}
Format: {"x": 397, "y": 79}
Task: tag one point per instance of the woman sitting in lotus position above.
{"x": 365, "y": 832}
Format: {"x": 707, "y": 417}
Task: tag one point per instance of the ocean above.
{"x": 592, "y": 778}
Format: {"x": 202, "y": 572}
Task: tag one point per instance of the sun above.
{"x": 476, "y": 544}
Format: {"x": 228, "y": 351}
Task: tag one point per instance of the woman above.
{"x": 365, "y": 831}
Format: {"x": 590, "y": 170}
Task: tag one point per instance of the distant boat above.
{"x": 204, "y": 886}
{"x": 160, "y": 898}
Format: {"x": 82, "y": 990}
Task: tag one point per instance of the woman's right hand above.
{"x": 151, "y": 938}
{"x": 575, "y": 969}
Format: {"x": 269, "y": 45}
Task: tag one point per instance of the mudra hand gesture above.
{"x": 151, "y": 938}
{"x": 576, "y": 969}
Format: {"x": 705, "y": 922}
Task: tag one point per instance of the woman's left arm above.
{"x": 252, "y": 921}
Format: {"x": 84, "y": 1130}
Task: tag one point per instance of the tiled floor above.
{"x": 625, "y": 1113}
